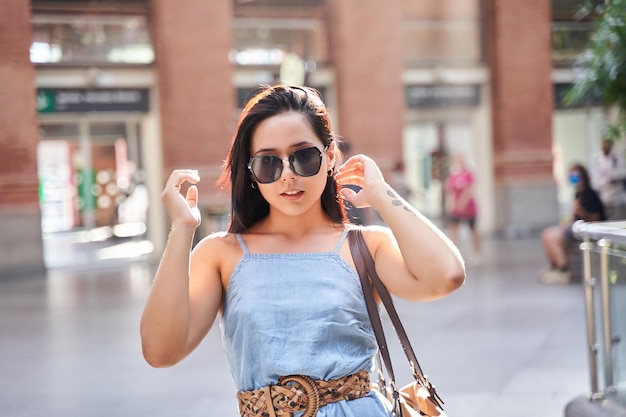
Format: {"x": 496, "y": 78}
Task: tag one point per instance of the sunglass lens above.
{"x": 267, "y": 168}
{"x": 307, "y": 162}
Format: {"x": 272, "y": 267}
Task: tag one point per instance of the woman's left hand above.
{"x": 362, "y": 172}
{"x": 413, "y": 257}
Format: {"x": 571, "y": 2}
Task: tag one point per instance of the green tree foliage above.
{"x": 602, "y": 66}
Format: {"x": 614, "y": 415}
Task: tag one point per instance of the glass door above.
{"x": 92, "y": 188}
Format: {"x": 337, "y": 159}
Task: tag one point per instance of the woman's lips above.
{"x": 292, "y": 195}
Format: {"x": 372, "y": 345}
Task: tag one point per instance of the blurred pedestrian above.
{"x": 462, "y": 207}
{"x": 586, "y": 206}
{"x": 607, "y": 178}
{"x": 282, "y": 276}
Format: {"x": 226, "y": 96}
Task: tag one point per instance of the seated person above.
{"x": 587, "y": 206}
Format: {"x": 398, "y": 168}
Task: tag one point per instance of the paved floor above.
{"x": 501, "y": 346}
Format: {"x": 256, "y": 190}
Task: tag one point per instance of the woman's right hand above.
{"x": 182, "y": 210}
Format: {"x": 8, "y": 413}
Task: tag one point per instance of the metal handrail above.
{"x": 607, "y": 331}
{"x": 592, "y": 345}
{"x": 615, "y": 231}
{"x": 607, "y": 236}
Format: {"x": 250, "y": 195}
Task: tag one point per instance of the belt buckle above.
{"x": 310, "y": 389}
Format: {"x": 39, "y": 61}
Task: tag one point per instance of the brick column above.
{"x": 520, "y": 60}
{"x": 196, "y": 93}
{"x": 21, "y": 246}
{"x": 369, "y": 59}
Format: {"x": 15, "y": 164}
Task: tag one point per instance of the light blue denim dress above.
{"x": 299, "y": 313}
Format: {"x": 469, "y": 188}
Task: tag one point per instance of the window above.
{"x": 571, "y": 29}
{"x": 79, "y": 39}
{"x": 265, "y": 42}
{"x": 569, "y": 39}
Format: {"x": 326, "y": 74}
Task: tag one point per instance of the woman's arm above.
{"x": 413, "y": 257}
{"x": 179, "y": 311}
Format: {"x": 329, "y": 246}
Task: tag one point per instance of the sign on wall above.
{"x": 442, "y": 95}
{"x": 81, "y": 100}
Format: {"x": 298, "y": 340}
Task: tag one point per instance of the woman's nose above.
{"x": 287, "y": 171}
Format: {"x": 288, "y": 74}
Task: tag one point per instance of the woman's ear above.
{"x": 332, "y": 155}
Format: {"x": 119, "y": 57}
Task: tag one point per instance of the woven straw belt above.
{"x": 301, "y": 393}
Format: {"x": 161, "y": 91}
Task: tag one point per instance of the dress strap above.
{"x": 242, "y": 243}
{"x": 341, "y": 239}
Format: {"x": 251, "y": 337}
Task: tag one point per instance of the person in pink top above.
{"x": 461, "y": 203}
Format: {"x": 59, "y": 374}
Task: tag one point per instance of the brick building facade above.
{"x": 520, "y": 63}
{"x": 367, "y": 82}
{"x": 20, "y": 241}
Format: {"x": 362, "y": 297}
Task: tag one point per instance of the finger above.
{"x": 190, "y": 175}
{"x": 350, "y": 178}
{"x": 351, "y": 163}
{"x": 179, "y": 176}
{"x": 348, "y": 193}
{"x": 351, "y": 197}
{"x": 192, "y": 196}
{"x": 349, "y": 169}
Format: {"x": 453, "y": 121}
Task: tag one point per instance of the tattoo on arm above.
{"x": 396, "y": 201}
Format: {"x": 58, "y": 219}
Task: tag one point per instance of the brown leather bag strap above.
{"x": 357, "y": 243}
{"x": 367, "y": 272}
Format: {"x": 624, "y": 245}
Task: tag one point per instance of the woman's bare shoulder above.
{"x": 219, "y": 252}
{"x": 375, "y": 232}
{"x": 218, "y": 244}
{"x": 376, "y": 235}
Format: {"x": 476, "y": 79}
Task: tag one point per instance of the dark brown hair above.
{"x": 247, "y": 204}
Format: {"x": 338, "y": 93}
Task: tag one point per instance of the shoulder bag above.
{"x": 418, "y": 398}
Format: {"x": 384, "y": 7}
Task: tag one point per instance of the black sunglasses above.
{"x": 304, "y": 162}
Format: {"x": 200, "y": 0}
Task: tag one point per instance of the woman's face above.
{"x": 457, "y": 163}
{"x": 574, "y": 177}
{"x": 281, "y": 136}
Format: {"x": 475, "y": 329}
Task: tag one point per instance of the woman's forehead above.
{"x": 283, "y": 132}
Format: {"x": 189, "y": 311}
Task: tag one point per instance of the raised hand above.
{"x": 363, "y": 172}
{"x": 182, "y": 210}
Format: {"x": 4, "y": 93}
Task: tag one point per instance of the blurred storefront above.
{"x": 97, "y": 117}
{"x": 126, "y": 91}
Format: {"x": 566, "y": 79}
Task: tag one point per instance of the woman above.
{"x": 282, "y": 276}
{"x": 587, "y": 206}
{"x": 463, "y": 207}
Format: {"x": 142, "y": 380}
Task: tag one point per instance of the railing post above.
{"x": 592, "y": 346}
{"x": 607, "y": 357}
